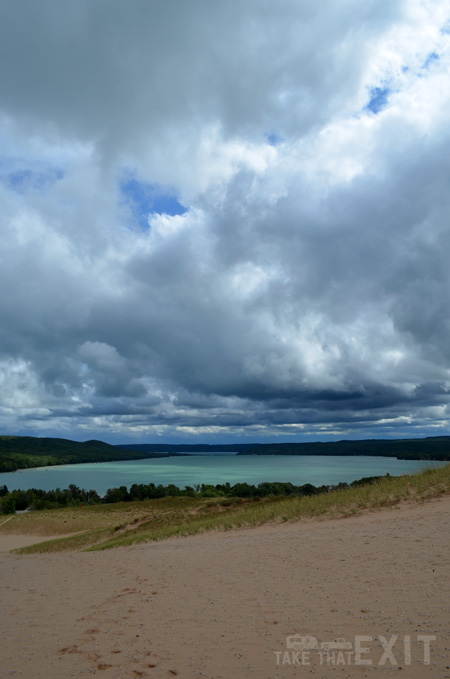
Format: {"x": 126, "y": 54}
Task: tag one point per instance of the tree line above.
{"x": 35, "y": 499}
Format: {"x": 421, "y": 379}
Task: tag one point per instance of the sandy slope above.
{"x": 222, "y": 605}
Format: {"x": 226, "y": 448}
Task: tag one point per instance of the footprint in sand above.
{"x": 103, "y": 666}
{"x": 69, "y": 649}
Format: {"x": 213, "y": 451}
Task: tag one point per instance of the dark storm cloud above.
{"x": 107, "y": 70}
{"x": 224, "y": 220}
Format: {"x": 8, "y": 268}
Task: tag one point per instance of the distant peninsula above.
{"x": 22, "y": 452}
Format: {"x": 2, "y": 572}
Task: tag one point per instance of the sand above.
{"x": 222, "y": 605}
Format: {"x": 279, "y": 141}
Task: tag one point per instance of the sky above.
{"x": 224, "y": 221}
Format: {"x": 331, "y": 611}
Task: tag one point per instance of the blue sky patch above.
{"x": 431, "y": 59}
{"x": 274, "y": 139}
{"x": 378, "y": 99}
{"x": 24, "y": 180}
{"x": 145, "y": 199}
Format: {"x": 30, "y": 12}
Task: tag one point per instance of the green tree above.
{"x": 8, "y": 504}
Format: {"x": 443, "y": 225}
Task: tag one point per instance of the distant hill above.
{"x": 21, "y": 452}
{"x": 431, "y": 448}
{"x": 187, "y": 447}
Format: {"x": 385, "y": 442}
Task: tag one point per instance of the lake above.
{"x": 190, "y": 470}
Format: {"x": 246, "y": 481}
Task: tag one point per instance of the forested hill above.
{"x": 21, "y": 452}
{"x": 431, "y": 448}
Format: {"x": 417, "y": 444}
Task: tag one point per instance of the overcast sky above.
{"x": 224, "y": 221}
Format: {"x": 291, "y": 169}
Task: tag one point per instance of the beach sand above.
{"x": 221, "y": 605}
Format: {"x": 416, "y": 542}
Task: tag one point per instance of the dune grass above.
{"x": 106, "y": 526}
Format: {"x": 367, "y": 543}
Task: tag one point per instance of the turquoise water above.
{"x": 193, "y": 469}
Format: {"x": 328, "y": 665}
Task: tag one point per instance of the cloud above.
{"x": 224, "y": 222}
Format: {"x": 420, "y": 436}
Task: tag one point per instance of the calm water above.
{"x": 188, "y": 471}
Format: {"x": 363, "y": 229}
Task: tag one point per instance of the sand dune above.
{"x": 222, "y": 605}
